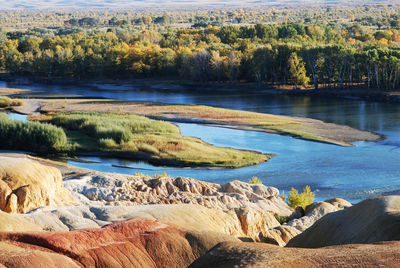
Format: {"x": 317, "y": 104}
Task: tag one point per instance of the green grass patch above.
{"x": 35, "y": 137}
{"x": 81, "y": 141}
{"x": 158, "y": 141}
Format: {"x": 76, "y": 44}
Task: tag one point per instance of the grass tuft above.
{"x": 137, "y": 135}
{"x": 6, "y": 102}
{"x": 36, "y": 137}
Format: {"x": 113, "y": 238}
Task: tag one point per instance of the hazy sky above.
{"x": 43, "y": 4}
{"x": 104, "y": 3}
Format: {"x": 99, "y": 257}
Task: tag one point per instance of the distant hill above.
{"x": 79, "y": 4}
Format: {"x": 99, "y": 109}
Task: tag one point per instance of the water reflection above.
{"x": 355, "y": 113}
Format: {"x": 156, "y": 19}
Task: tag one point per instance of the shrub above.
{"x": 120, "y": 128}
{"x": 281, "y": 219}
{"x": 304, "y": 199}
{"x": 108, "y": 143}
{"x": 255, "y": 180}
{"x": 142, "y": 175}
{"x": 159, "y": 176}
{"x": 282, "y": 196}
{"x": 147, "y": 148}
{"x": 294, "y": 198}
{"x": 7, "y": 102}
{"x": 31, "y": 136}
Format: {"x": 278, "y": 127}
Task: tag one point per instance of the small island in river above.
{"x": 141, "y": 131}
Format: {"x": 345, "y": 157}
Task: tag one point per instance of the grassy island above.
{"x": 303, "y": 128}
{"x": 138, "y": 137}
{"x": 137, "y": 130}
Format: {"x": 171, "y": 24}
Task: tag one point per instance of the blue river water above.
{"x": 17, "y": 117}
{"x": 353, "y": 173}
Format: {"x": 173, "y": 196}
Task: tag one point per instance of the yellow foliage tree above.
{"x": 300, "y": 200}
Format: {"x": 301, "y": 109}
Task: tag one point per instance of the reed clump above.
{"x": 6, "y": 102}
{"x": 41, "y": 138}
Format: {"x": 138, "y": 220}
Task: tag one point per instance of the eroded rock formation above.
{"x": 242, "y": 223}
{"x": 15, "y": 254}
{"x": 138, "y": 221}
{"x": 118, "y": 189}
{"x": 234, "y": 254}
{"x": 282, "y": 234}
{"x": 15, "y": 223}
{"x": 132, "y": 243}
{"x": 372, "y": 220}
{"x": 26, "y": 184}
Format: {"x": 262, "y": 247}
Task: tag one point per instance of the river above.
{"x": 355, "y": 173}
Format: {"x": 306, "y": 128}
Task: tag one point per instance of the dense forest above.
{"x": 337, "y": 52}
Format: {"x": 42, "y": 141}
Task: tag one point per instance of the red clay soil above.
{"x": 146, "y": 243}
{"x": 132, "y": 243}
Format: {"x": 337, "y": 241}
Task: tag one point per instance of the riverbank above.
{"x": 350, "y": 93}
{"x": 123, "y": 136}
{"x": 352, "y": 173}
{"x": 297, "y": 127}
{"x": 174, "y": 85}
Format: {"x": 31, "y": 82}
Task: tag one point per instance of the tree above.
{"x": 265, "y": 31}
{"x": 183, "y": 61}
{"x": 229, "y": 34}
{"x": 201, "y": 66}
{"x": 261, "y": 64}
{"x": 287, "y": 31}
{"x": 13, "y": 59}
{"x": 217, "y": 64}
{"x": 234, "y": 59}
{"x": 297, "y": 70}
{"x": 313, "y": 58}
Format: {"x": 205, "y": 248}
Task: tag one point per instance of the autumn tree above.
{"x": 297, "y": 70}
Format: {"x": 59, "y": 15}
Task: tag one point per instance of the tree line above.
{"x": 289, "y": 53}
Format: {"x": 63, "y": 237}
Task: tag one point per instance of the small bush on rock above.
{"x": 303, "y": 200}
{"x": 160, "y": 176}
{"x": 281, "y": 219}
{"x": 255, "y": 180}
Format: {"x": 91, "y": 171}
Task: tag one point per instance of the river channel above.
{"x": 353, "y": 173}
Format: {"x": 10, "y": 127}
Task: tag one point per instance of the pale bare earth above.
{"x": 31, "y": 107}
{"x": 10, "y": 91}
